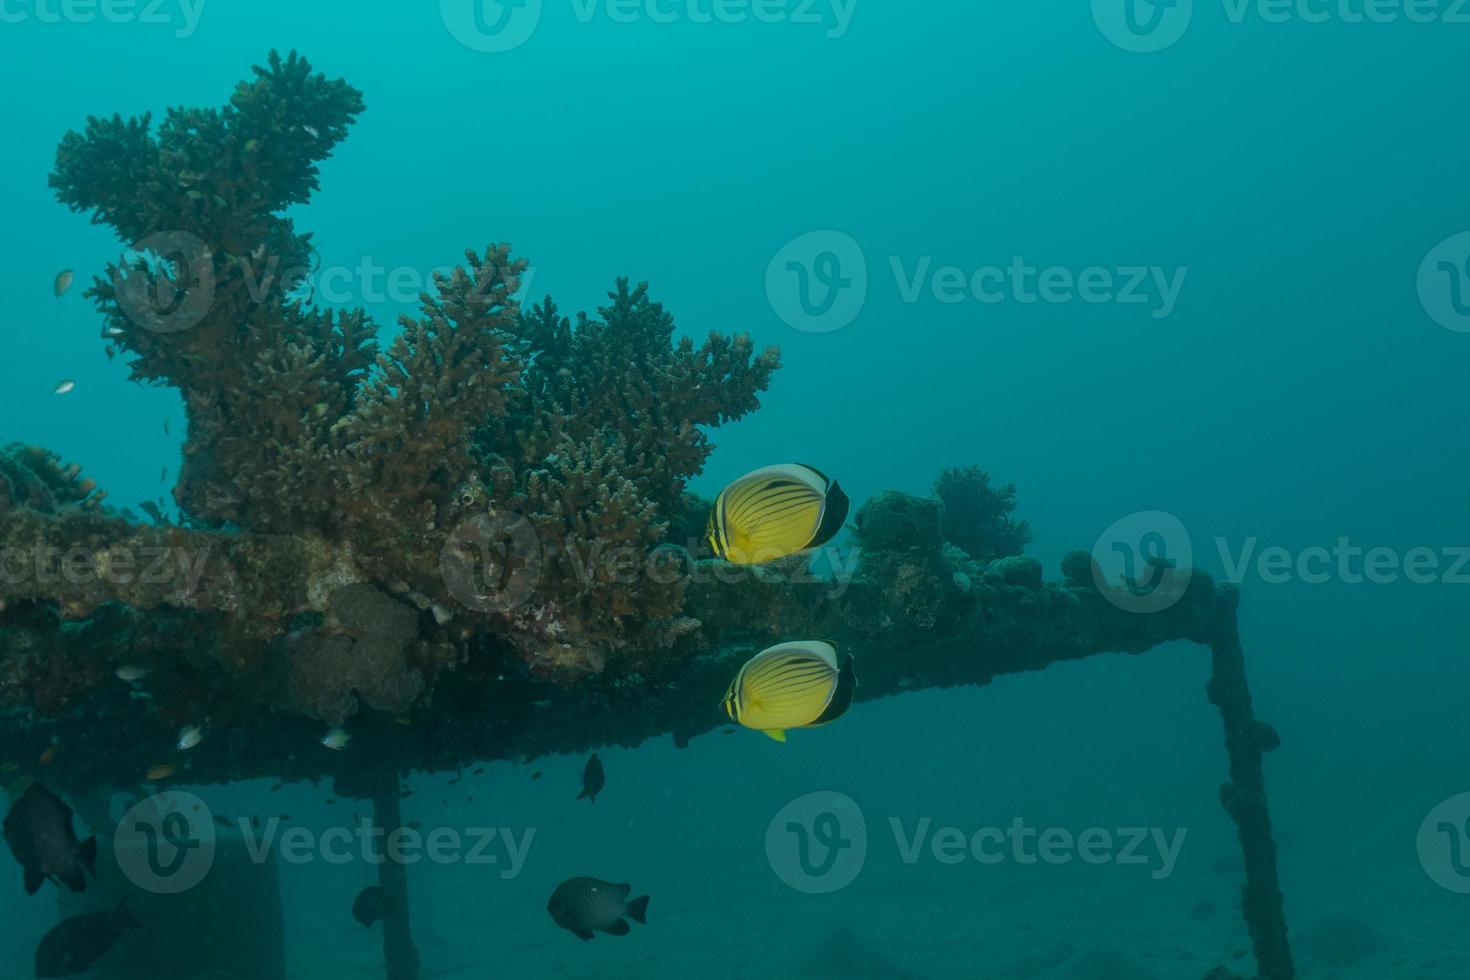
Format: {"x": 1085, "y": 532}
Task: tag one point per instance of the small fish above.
{"x": 49, "y": 756}
{"x": 77, "y": 944}
{"x": 62, "y": 282}
{"x": 963, "y": 583}
{"x": 405, "y": 794}
{"x": 583, "y": 906}
{"x": 278, "y": 787}
{"x": 372, "y": 905}
{"x": 163, "y": 475}
{"x": 775, "y": 512}
{"x": 311, "y": 131}
{"x": 223, "y": 822}
{"x": 41, "y": 836}
{"x": 536, "y": 775}
{"x": 455, "y": 781}
{"x": 160, "y": 772}
{"x": 190, "y": 736}
{"x": 478, "y": 772}
{"x": 593, "y": 779}
{"x": 336, "y": 739}
{"x": 132, "y": 673}
{"x": 64, "y": 387}
{"x": 791, "y": 685}
{"x": 165, "y": 427}
{"x": 114, "y": 332}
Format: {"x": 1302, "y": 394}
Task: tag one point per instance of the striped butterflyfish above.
{"x": 792, "y": 685}
{"x": 774, "y": 512}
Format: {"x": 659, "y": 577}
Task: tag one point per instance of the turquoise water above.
{"x": 1286, "y": 378}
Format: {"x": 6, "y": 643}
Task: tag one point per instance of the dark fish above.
{"x": 478, "y": 772}
{"x": 39, "y": 832}
{"x": 77, "y": 944}
{"x": 536, "y": 775}
{"x": 585, "y": 905}
{"x": 224, "y": 821}
{"x": 372, "y": 906}
{"x": 152, "y": 510}
{"x": 593, "y": 779}
{"x": 405, "y": 794}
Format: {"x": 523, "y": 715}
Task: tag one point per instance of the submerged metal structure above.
{"x": 475, "y": 543}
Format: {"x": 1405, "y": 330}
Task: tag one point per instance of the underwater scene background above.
{"x": 1191, "y": 276}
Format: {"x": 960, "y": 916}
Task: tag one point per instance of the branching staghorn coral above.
{"x": 977, "y": 517}
{"x": 373, "y": 463}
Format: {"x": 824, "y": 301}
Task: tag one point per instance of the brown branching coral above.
{"x": 372, "y": 463}
{"x": 202, "y": 302}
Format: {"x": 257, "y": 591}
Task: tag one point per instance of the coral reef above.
{"x": 977, "y": 517}
{"x": 478, "y": 410}
{"x": 466, "y": 543}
